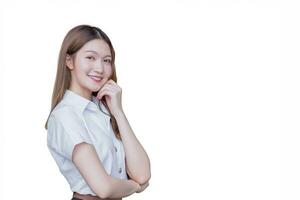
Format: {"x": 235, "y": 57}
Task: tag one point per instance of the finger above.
{"x": 109, "y": 86}
{"x": 104, "y": 90}
{"x": 114, "y": 88}
{"x": 111, "y": 81}
{"x": 110, "y": 89}
{"x": 143, "y": 187}
{"x": 103, "y": 93}
{"x": 146, "y": 185}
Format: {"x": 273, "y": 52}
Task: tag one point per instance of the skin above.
{"x": 94, "y": 58}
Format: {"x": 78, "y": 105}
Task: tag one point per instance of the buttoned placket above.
{"x": 94, "y": 107}
{"x": 118, "y": 154}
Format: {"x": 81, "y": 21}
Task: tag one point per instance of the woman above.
{"x": 89, "y": 136}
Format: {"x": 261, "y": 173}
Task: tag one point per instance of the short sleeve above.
{"x": 64, "y": 134}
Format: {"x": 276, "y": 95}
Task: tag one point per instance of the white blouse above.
{"x": 75, "y": 119}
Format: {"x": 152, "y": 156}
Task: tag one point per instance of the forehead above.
{"x": 97, "y": 45}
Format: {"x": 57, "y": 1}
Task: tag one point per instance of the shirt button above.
{"x": 116, "y": 149}
{"x": 120, "y": 170}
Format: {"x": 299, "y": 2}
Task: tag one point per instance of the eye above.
{"x": 90, "y": 57}
{"x": 107, "y": 60}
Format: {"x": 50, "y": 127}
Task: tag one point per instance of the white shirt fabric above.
{"x": 75, "y": 119}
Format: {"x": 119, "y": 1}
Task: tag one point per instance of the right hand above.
{"x": 136, "y": 185}
{"x": 143, "y": 187}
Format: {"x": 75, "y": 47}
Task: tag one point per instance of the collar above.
{"x": 78, "y": 102}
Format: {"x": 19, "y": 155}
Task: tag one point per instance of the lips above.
{"x": 95, "y": 78}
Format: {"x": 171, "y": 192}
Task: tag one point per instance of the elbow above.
{"x": 144, "y": 176}
{"x": 104, "y": 193}
{"x": 104, "y": 196}
{"x": 142, "y": 179}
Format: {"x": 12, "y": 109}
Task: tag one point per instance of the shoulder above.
{"x": 62, "y": 111}
{"x": 65, "y": 129}
{"x": 67, "y": 118}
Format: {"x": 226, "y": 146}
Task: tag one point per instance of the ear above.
{"x": 69, "y": 62}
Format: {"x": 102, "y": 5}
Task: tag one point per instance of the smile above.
{"x": 95, "y": 78}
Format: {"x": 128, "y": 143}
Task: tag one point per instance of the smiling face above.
{"x": 90, "y": 68}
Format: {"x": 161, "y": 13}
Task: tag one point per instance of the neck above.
{"x": 80, "y": 91}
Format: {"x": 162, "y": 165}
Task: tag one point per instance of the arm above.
{"x": 143, "y": 187}
{"x": 137, "y": 161}
{"x": 86, "y": 160}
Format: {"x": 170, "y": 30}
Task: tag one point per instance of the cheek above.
{"x": 83, "y": 67}
{"x": 80, "y": 72}
{"x": 108, "y": 71}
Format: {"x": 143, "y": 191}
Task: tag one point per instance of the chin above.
{"x": 95, "y": 88}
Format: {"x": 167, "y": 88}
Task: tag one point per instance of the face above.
{"x": 90, "y": 68}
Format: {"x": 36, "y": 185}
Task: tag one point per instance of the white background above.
{"x": 211, "y": 89}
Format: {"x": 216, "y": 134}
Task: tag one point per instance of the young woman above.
{"x": 88, "y": 134}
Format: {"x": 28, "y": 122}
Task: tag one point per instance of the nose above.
{"x": 99, "y": 67}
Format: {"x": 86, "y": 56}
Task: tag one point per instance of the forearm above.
{"x": 121, "y": 188}
{"x": 137, "y": 160}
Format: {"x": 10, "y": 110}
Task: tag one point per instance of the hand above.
{"x": 112, "y": 93}
{"x": 136, "y": 185}
{"x": 143, "y": 187}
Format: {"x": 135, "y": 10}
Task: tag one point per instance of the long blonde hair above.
{"x": 73, "y": 41}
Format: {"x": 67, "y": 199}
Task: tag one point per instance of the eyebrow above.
{"x": 96, "y": 52}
